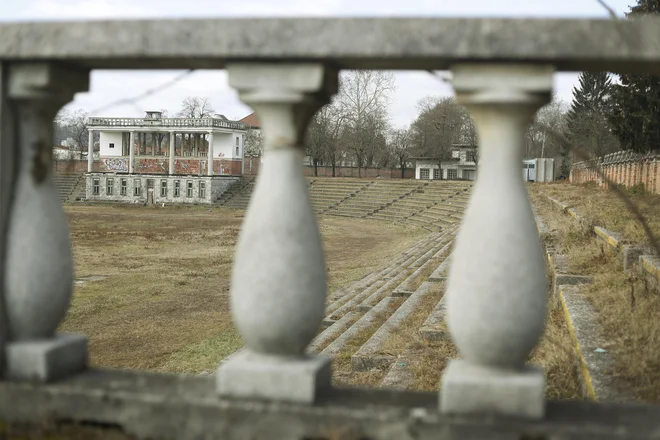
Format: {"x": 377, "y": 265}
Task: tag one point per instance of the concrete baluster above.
{"x": 209, "y": 165}
{"x": 90, "y": 150}
{"x": 131, "y": 153}
{"x": 39, "y": 264}
{"x": 172, "y": 148}
{"x": 279, "y": 281}
{"x": 497, "y": 290}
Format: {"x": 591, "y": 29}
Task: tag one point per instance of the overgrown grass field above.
{"x": 164, "y": 302}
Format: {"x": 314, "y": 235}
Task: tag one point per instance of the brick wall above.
{"x": 623, "y": 168}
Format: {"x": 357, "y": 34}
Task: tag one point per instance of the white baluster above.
{"x": 497, "y": 287}
{"x": 278, "y": 280}
{"x": 39, "y": 264}
{"x": 90, "y": 150}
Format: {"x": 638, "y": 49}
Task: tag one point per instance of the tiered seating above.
{"x": 374, "y": 197}
{"x": 388, "y": 296}
{"x": 326, "y": 193}
{"x": 70, "y": 186}
{"x": 433, "y": 205}
{"x": 430, "y": 205}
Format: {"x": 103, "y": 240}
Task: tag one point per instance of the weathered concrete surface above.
{"x": 371, "y": 355}
{"x": 468, "y": 388}
{"x": 364, "y": 322}
{"x": 597, "y": 365}
{"x": 150, "y": 405}
{"x": 46, "y": 360}
{"x": 413, "y": 43}
{"x": 400, "y": 376}
{"x": 331, "y": 332}
{"x": 250, "y": 375}
{"x": 649, "y": 267}
{"x": 434, "y": 328}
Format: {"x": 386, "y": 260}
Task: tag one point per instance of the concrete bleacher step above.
{"x": 362, "y": 324}
{"x": 365, "y": 306}
{"x": 371, "y": 354}
{"x": 397, "y": 266}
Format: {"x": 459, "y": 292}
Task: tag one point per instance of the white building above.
{"x": 164, "y": 149}
{"x": 461, "y": 166}
{"x": 539, "y": 170}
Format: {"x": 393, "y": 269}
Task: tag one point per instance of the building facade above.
{"x": 461, "y": 166}
{"x": 154, "y": 159}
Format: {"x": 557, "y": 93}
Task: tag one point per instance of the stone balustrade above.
{"x": 165, "y": 122}
{"x": 286, "y": 70}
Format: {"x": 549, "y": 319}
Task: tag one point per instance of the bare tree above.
{"x": 550, "y": 117}
{"x": 401, "y": 143}
{"x": 440, "y": 125}
{"x": 72, "y": 125}
{"x": 362, "y": 103}
{"x": 196, "y": 107}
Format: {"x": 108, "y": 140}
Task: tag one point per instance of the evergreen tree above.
{"x": 635, "y": 114}
{"x": 587, "y": 119}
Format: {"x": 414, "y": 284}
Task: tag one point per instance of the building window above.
{"x": 236, "y": 151}
{"x": 96, "y": 187}
{"x": 109, "y": 186}
{"x": 436, "y": 173}
{"x": 452, "y": 174}
{"x": 111, "y": 145}
{"x": 190, "y": 189}
{"x": 177, "y": 188}
{"x": 137, "y": 187}
{"x": 531, "y": 166}
{"x": 238, "y": 140}
{"x": 163, "y": 188}
{"x": 424, "y": 173}
{"x": 471, "y": 157}
{"x": 202, "y": 190}
{"x": 123, "y": 188}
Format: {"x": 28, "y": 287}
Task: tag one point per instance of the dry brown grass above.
{"x": 627, "y": 311}
{"x": 165, "y": 303}
{"x": 603, "y": 208}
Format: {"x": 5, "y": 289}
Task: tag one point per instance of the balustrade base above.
{"x": 250, "y": 375}
{"x": 469, "y": 389}
{"x": 47, "y": 360}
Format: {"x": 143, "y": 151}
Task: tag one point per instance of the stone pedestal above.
{"x": 470, "y": 389}
{"x": 47, "y": 360}
{"x": 250, "y": 375}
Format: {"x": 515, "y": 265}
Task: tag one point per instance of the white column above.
{"x": 278, "y": 280}
{"x": 90, "y": 151}
{"x": 209, "y": 156}
{"x": 131, "y": 152}
{"x": 39, "y": 264}
{"x": 497, "y": 292}
{"x": 172, "y": 144}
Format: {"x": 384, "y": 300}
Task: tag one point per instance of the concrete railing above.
{"x": 164, "y": 122}
{"x": 287, "y": 69}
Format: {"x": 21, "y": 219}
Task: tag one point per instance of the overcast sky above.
{"x": 109, "y": 86}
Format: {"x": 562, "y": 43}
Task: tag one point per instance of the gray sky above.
{"x": 109, "y": 86}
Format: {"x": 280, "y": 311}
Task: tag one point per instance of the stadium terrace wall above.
{"x": 624, "y": 168}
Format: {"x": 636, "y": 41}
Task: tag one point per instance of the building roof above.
{"x": 251, "y": 120}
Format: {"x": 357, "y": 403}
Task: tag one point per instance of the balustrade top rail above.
{"x": 385, "y": 43}
{"x": 164, "y": 122}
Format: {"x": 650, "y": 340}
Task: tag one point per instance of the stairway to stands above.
{"x": 375, "y": 307}
{"x": 238, "y": 195}
{"x": 432, "y": 205}
{"x": 71, "y": 187}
